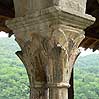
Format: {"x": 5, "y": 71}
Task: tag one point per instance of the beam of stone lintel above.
{"x": 49, "y": 39}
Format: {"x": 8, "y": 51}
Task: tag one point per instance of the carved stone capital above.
{"x": 49, "y": 41}
{"x": 50, "y": 58}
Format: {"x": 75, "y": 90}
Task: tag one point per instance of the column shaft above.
{"x": 58, "y": 93}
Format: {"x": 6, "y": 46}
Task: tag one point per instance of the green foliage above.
{"x": 14, "y": 82}
{"x": 86, "y": 78}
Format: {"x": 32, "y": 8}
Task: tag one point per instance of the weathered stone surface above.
{"x": 49, "y": 60}
{"x": 20, "y": 7}
{"x": 49, "y": 40}
{"x": 40, "y": 21}
{"x": 28, "y": 6}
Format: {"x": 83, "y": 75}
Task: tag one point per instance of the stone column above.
{"x": 49, "y": 39}
{"x": 49, "y": 60}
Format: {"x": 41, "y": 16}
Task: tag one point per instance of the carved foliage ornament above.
{"x": 50, "y": 59}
